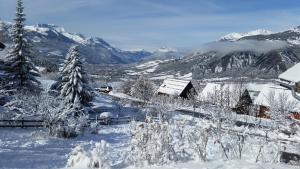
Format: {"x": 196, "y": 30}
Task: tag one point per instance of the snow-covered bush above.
{"x": 143, "y": 89}
{"x": 152, "y": 144}
{"x": 268, "y": 152}
{"x": 180, "y": 139}
{"x": 78, "y": 156}
{"x": 92, "y": 157}
{"x": 22, "y": 105}
{"x": 60, "y": 118}
{"x": 126, "y": 86}
{"x": 94, "y": 127}
{"x": 232, "y": 146}
{"x": 163, "y": 106}
{"x": 198, "y": 141}
{"x": 72, "y": 122}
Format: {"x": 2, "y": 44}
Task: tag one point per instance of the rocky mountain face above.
{"x": 51, "y": 43}
{"x": 266, "y": 60}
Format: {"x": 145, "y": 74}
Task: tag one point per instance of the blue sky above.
{"x": 150, "y": 24}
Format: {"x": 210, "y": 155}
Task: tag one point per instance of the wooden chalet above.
{"x": 232, "y": 95}
{"x": 177, "y": 88}
{"x": 276, "y": 94}
{"x": 252, "y": 99}
{"x": 291, "y": 78}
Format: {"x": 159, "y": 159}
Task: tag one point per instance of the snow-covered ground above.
{"x": 34, "y": 149}
{"x": 234, "y": 164}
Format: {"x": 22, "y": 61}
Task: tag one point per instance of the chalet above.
{"x": 2, "y": 46}
{"x": 291, "y": 78}
{"x": 276, "y": 97}
{"x": 176, "y": 87}
{"x": 232, "y": 95}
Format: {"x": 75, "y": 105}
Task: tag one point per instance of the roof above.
{"x": 275, "y": 95}
{"x": 173, "y": 86}
{"x": 292, "y": 74}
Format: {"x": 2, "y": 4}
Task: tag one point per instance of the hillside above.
{"x": 262, "y": 55}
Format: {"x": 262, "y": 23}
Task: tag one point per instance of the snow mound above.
{"x": 104, "y": 115}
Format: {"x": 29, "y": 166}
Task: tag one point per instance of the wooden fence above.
{"x": 40, "y": 123}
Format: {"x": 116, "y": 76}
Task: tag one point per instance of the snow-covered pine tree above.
{"x": 244, "y": 104}
{"x": 75, "y": 87}
{"x": 20, "y": 71}
{"x": 62, "y": 71}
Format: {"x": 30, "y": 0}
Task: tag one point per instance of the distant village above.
{"x": 254, "y": 99}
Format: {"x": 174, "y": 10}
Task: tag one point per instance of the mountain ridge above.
{"x": 52, "y": 42}
{"x": 259, "y": 55}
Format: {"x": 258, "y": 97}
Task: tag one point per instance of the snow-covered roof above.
{"x": 292, "y": 74}
{"x": 173, "y": 86}
{"x": 275, "y": 95}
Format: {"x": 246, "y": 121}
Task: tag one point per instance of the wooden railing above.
{"x": 20, "y": 123}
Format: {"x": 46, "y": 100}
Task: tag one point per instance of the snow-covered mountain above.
{"x": 292, "y": 36}
{"x": 52, "y": 42}
{"x": 253, "y": 54}
{"x": 236, "y": 36}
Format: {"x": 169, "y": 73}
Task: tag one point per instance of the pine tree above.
{"x": 244, "y": 103}
{"x": 57, "y": 86}
{"x": 75, "y": 87}
{"x": 21, "y": 73}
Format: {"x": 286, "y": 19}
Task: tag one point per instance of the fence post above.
{"x": 22, "y": 122}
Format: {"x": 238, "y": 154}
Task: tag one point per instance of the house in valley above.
{"x": 254, "y": 99}
{"x": 219, "y": 94}
{"x": 291, "y": 79}
{"x": 238, "y": 97}
{"x": 177, "y": 87}
{"x": 277, "y": 98}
